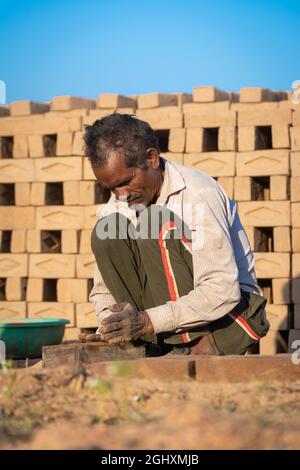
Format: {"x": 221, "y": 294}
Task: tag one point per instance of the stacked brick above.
{"x": 249, "y": 142}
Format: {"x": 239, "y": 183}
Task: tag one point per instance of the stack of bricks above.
{"x": 249, "y": 142}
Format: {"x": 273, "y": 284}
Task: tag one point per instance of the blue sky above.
{"x": 84, "y": 48}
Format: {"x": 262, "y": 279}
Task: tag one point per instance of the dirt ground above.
{"x": 53, "y": 409}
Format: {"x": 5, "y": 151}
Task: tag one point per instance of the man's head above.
{"x": 124, "y": 155}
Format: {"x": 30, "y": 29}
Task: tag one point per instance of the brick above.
{"x": 85, "y": 241}
{"x": 14, "y": 218}
{"x": 227, "y": 184}
{"x": 51, "y": 266}
{"x": 295, "y": 210}
{"x": 95, "y": 114}
{"x": 279, "y": 188}
{"x": 69, "y": 241}
{"x": 87, "y": 170}
{"x": 295, "y": 137}
{"x": 256, "y": 95}
{"x": 85, "y": 266}
{"x": 242, "y": 188}
{"x": 167, "y": 117}
{"x": 262, "y": 163}
{"x": 51, "y": 310}
{"x": 18, "y": 241}
{"x": 34, "y": 292}
{"x": 59, "y": 218}
{"x": 227, "y": 138}
{"x": 295, "y": 188}
{"x": 39, "y": 124}
{"x": 4, "y": 110}
{"x": 251, "y": 237}
{"x": 78, "y": 143}
{"x": 71, "y": 193}
{"x": 264, "y": 118}
{"x": 278, "y": 316}
{"x": 264, "y": 106}
{"x": 15, "y": 289}
{"x": 154, "y": 100}
{"x": 294, "y": 341}
{"x": 12, "y": 310}
{"x": 66, "y": 103}
{"x": 86, "y": 192}
{"x": 213, "y": 119}
{"x": 72, "y": 290}
{"x": 296, "y": 240}
{"x": 20, "y": 147}
{"x": 22, "y": 194}
{"x": 247, "y": 138}
{"x": 86, "y": 315}
{"x": 36, "y": 146}
{"x": 214, "y": 163}
{"x": 177, "y": 140}
{"x": 33, "y": 241}
{"x": 13, "y": 265}
{"x": 272, "y": 265}
{"x": 296, "y": 118}
{"x": 265, "y": 213}
{"x": 71, "y": 334}
{"x": 296, "y": 265}
{"x": 16, "y": 171}
{"x": 295, "y": 163}
{"x": 206, "y": 94}
{"x": 297, "y": 316}
{"x": 58, "y": 168}
{"x": 183, "y": 98}
{"x": 113, "y": 100}
{"x": 209, "y": 108}
{"x": 194, "y": 140}
{"x": 83, "y": 112}
{"x": 280, "y": 136}
{"x": 173, "y": 157}
{"x": 282, "y": 239}
{"x": 25, "y": 108}
{"x": 64, "y": 143}
{"x": 90, "y": 216}
{"x": 38, "y": 194}
{"x": 281, "y": 288}
{"x": 296, "y": 290}
{"x": 273, "y": 343}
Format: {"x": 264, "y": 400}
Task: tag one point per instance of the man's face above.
{"x": 135, "y": 185}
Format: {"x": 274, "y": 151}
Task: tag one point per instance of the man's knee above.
{"x": 108, "y": 233}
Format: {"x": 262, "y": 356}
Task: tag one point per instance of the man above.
{"x": 174, "y": 265}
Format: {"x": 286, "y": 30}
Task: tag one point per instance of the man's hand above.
{"x": 126, "y": 323}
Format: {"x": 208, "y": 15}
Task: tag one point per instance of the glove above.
{"x": 126, "y": 323}
{"x": 91, "y": 337}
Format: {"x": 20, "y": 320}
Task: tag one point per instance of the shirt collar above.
{"x": 173, "y": 182}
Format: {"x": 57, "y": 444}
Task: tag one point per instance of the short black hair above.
{"x": 119, "y": 131}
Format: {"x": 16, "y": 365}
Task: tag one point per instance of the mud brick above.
{"x": 64, "y": 143}
{"x": 22, "y": 194}
{"x": 18, "y": 241}
{"x": 273, "y": 343}
{"x": 72, "y": 290}
{"x": 278, "y": 316}
{"x": 280, "y": 136}
{"x": 16, "y": 171}
{"x": 25, "y": 108}
{"x": 272, "y": 265}
{"x": 58, "y": 168}
{"x": 36, "y": 146}
{"x": 33, "y": 241}
{"x": 297, "y": 316}
{"x": 20, "y": 147}
{"x": 12, "y": 310}
{"x": 227, "y": 184}
{"x": 207, "y": 94}
{"x": 66, "y": 103}
{"x": 296, "y": 118}
{"x": 6, "y": 146}
{"x": 250, "y": 231}
{"x": 205, "y": 119}
{"x": 227, "y": 138}
{"x": 51, "y": 266}
{"x": 279, "y": 188}
{"x": 264, "y": 106}
{"x": 15, "y": 289}
{"x": 295, "y": 163}
{"x": 282, "y": 239}
{"x": 167, "y": 117}
{"x": 154, "y": 100}
{"x": 296, "y": 265}
{"x": 13, "y": 265}
{"x": 183, "y": 98}
{"x": 296, "y": 290}
{"x": 34, "y": 292}
{"x": 52, "y": 310}
{"x": 59, "y": 218}
{"x": 90, "y": 216}
{"x": 85, "y": 266}
{"x": 295, "y": 188}
{"x": 214, "y": 163}
{"x": 4, "y": 110}
{"x": 71, "y": 334}
{"x": 14, "y": 218}
{"x": 86, "y": 193}
{"x": 87, "y": 170}
{"x": 246, "y": 138}
{"x": 95, "y": 114}
{"x": 86, "y": 315}
{"x": 242, "y": 188}
{"x": 264, "y": 117}
{"x": 78, "y": 143}
{"x": 173, "y": 157}
{"x": 177, "y": 140}
{"x": 295, "y": 137}
{"x": 113, "y": 100}
{"x": 207, "y": 107}
{"x": 295, "y": 209}
{"x": 256, "y": 95}
{"x": 85, "y": 241}
{"x": 83, "y": 112}
{"x": 262, "y": 163}
{"x": 194, "y": 140}
{"x": 296, "y": 240}
{"x": 281, "y": 289}
{"x": 71, "y": 193}
{"x": 294, "y": 342}
{"x": 69, "y": 241}
{"x": 39, "y": 124}
{"x": 38, "y": 194}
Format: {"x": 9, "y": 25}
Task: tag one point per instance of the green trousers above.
{"x": 135, "y": 264}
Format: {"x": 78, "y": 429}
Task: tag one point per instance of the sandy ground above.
{"x": 54, "y": 409}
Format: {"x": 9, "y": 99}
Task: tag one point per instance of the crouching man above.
{"x": 174, "y": 264}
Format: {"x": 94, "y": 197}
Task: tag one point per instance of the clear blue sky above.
{"x": 84, "y": 48}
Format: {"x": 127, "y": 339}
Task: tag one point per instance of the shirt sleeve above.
{"x": 216, "y": 287}
{"x": 100, "y": 296}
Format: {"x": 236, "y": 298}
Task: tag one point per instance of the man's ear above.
{"x": 153, "y": 158}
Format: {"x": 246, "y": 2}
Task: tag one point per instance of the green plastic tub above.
{"x": 25, "y": 337}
